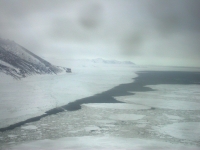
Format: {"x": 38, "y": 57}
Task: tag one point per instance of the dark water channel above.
{"x": 143, "y": 79}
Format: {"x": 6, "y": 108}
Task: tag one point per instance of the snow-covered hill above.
{"x": 18, "y": 62}
{"x": 100, "y": 60}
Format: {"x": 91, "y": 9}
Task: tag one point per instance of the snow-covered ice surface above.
{"x": 117, "y": 106}
{"x": 126, "y": 117}
{"x": 183, "y": 130}
{"x": 106, "y": 142}
{"x": 145, "y": 121}
{"x": 29, "y": 127}
{"x": 94, "y": 128}
{"x": 177, "y": 97}
{"x": 182, "y": 104}
{"x": 172, "y": 117}
{"x": 12, "y": 136}
{"x": 34, "y": 95}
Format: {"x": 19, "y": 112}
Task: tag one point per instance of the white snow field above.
{"x": 117, "y": 106}
{"x": 126, "y": 117}
{"x": 183, "y": 130}
{"x": 167, "y": 118}
{"x": 29, "y": 127}
{"x": 32, "y": 96}
{"x": 106, "y": 142}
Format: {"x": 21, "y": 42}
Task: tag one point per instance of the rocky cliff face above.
{"x": 18, "y": 62}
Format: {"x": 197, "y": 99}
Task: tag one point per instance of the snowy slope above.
{"x": 18, "y": 62}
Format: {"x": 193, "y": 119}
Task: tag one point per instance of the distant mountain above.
{"x": 18, "y": 62}
{"x": 100, "y": 60}
{"x": 74, "y": 62}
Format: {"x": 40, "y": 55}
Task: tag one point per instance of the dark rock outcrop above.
{"x": 18, "y": 62}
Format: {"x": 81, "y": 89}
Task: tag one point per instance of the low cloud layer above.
{"x": 144, "y": 31}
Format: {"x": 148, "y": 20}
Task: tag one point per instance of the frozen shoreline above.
{"x": 33, "y": 96}
{"x": 133, "y": 121}
{"x": 121, "y": 90}
{"x": 104, "y": 96}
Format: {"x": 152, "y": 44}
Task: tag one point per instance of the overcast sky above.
{"x": 147, "y": 32}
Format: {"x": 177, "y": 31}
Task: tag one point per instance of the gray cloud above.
{"x": 90, "y": 15}
{"x": 132, "y": 29}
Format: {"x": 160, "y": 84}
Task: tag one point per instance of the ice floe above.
{"x": 173, "y": 117}
{"x": 105, "y": 121}
{"x": 141, "y": 125}
{"x": 183, "y": 130}
{"x": 12, "y": 136}
{"x": 126, "y": 117}
{"x": 117, "y": 106}
{"x": 91, "y": 128}
{"x": 176, "y": 97}
{"x": 29, "y": 127}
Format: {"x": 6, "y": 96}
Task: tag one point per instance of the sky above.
{"x": 146, "y": 32}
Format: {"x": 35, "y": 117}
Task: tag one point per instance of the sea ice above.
{"x": 12, "y": 136}
{"x": 172, "y": 117}
{"x": 91, "y": 128}
{"x": 141, "y": 125}
{"x": 105, "y": 121}
{"x": 166, "y": 96}
{"x": 29, "y": 127}
{"x": 183, "y": 130}
{"x": 39, "y": 93}
{"x": 94, "y": 142}
{"x": 117, "y": 106}
{"x": 126, "y": 117}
